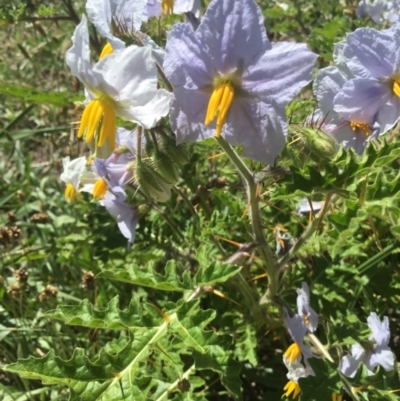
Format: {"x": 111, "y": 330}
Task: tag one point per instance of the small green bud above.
{"x": 151, "y": 182}
{"x": 320, "y": 143}
{"x": 166, "y": 167}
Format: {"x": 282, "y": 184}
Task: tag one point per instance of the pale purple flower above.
{"x": 304, "y": 309}
{"x": 126, "y": 215}
{"x": 378, "y": 354}
{"x": 373, "y": 95}
{"x": 230, "y": 50}
{"x": 378, "y": 10}
{"x": 356, "y": 134}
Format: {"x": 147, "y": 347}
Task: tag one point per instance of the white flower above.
{"x": 71, "y": 175}
{"x": 378, "y": 354}
{"x": 304, "y": 309}
{"x": 122, "y": 84}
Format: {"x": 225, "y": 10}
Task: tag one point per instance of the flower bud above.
{"x": 320, "y": 143}
{"x": 151, "y": 182}
{"x": 166, "y": 166}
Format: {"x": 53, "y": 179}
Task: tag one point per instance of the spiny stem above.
{"x": 255, "y": 217}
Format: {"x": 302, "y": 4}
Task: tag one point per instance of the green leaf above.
{"x": 107, "y": 378}
{"x": 85, "y": 315}
{"x": 225, "y": 366}
{"x": 147, "y": 276}
{"x": 216, "y": 272}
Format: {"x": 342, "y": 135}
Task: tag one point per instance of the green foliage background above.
{"x": 168, "y": 319}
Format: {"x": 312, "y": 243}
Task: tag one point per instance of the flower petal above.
{"x": 382, "y": 356}
{"x": 380, "y": 330}
{"x": 129, "y": 75}
{"x": 234, "y": 33}
{"x": 327, "y": 85}
{"x": 125, "y": 214}
{"x": 348, "y": 366}
{"x": 78, "y": 56}
{"x": 184, "y": 49}
{"x": 373, "y": 50}
{"x": 260, "y": 127}
{"x": 360, "y": 99}
{"x": 281, "y": 72}
{"x": 147, "y": 115}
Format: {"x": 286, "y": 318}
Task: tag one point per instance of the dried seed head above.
{"x": 48, "y": 292}
{"x": 40, "y": 218}
{"x": 11, "y": 217}
{"x": 21, "y": 275}
{"x": 14, "y": 290}
{"x": 14, "y": 232}
{"x": 88, "y": 281}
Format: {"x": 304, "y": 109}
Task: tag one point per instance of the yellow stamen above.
{"x": 167, "y": 7}
{"x": 94, "y": 120}
{"x": 100, "y": 188}
{"x": 292, "y": 353}
{"x": 292, "y": 387}
{"x": 336, "y": 397}
{"x": 107, "y": 49}
{"x": 99, "y": 112}
{"x": 109, "y": 126}
{"x": 219, "y": 104}
{"x": 70, "y": 193}
{"x": 85, "y": 119}
{"x": 365, "y": 128}
{"x": 396, "y": 87}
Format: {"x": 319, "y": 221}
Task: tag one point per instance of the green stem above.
{"x": 255, "y": 218}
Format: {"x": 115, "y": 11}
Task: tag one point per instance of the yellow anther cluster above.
{"x": 218, "y": 106}
{"x": 97, "y": 113}
{"x": 167, "y": 7}
{"x": 70, "y": 193}
{"x": 336, "y": 397}
{"x": 292, "y": 388}
{"x": 365, "y": 128}
{"x": 396, "y": 87}
{"x": 292, "y": 353}
{"x": 100, "y": 189}
{"x": 107, "y": 49}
